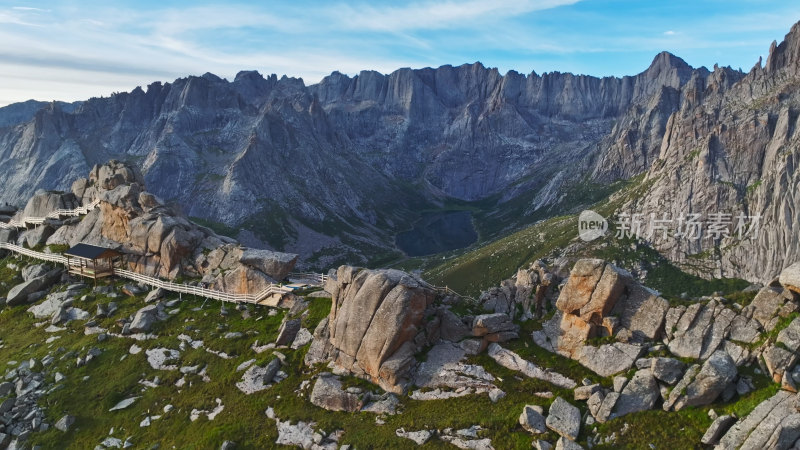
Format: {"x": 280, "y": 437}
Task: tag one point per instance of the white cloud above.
{"x": 29, "y": 8}
{"x": 669, "y": 33}
{"x": 436, "y": 15}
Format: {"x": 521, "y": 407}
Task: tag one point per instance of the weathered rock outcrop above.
{"x": 667, "y": 370}
{"x": 699, "y": 330}
{"x": 717, "y": 428}
{"x": 702, "y": 385}
{"x": 772, "y": 424}
{"x": 780, "y": 357}
{"x": 530, "y": 290}
{"x": 600, "y": 299}
{"x": 21, "y": 293}
{"x": 155, "y": 239}
{"x": 446, "y": 374}
{"x": 43, "y": 203}
{"x": 376, "y": 325}
{"x": 771, "y": 304}
{"x": 275, "y": 264}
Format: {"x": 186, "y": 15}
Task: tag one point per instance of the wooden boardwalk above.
{"x": 57, "y": 214}
{"x": 270, "y": 296}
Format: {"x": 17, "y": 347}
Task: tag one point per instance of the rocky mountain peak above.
{"x": 666, "y": 61}
{"x": 785, "y": 55}
{"x": 211, "y": 77}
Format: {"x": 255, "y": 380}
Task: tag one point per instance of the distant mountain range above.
{"x": 22, "y": 112}
{"x": 334, "y": 171}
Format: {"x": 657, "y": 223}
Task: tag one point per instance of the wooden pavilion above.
{"x": 91, "y": 261}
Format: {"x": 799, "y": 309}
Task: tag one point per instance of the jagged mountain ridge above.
{"x": 339, "y": 167}
{"x": 466, "y": 111}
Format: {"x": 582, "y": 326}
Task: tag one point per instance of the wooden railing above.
{"x": 57, "y": 214}
{"x": 445, "y": 290}
{"x": 317, "y": 279}
{"x": 51, "y": 257}
{"x": 264, "y": 297}
{"x": 201, "y": 291}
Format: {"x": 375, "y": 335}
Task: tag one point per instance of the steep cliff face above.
{"x": 470, "y": 132}
{"x": 732, "y": 148}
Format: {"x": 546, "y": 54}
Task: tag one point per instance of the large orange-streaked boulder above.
{"x": 376, "y": 325}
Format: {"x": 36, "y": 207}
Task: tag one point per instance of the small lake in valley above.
{"x": 438, "y": 232}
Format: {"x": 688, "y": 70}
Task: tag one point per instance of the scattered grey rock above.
{"x": 154, "y": 295}
{"x": 387, "y": 404}
{"x": 719, "y": 427}
{"x": 110, "y": 442}
{"x": 303, "y": 337}
{"x": 511, "y": 360}
{"x": 668, "y": 370}
{"x": 258, "y": 378}
{"x": 765, "y": 425}
{"x": 418, "y": 437}
{"x": 144, "y": 319}
{"x": 300, "y": 434}
{"x": 608, "y": 359}
{"x": 619, "y": 383}
{"x": 328, "y": 394}
{"x": 5, "y": 388}
{"x": 639, "y": 394}
{"x": 567, "y": 444}
{"x": 7, "y": 404}
{"x": 584, "y": 392}
{"x": 473, "y": 346}
{"x": 287, "y": 332}
{"x": 496, "y": 394}
{"x": 532, "y": 419}
{"x": 601, "y": 405}
{"x": 564, "y": 418}
{"x": 701, "y": 386}
{"x": 123, "y": 404}
{"x": 20, "y": 293}
{"x": 65, "y": 423}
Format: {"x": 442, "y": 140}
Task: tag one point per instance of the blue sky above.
{"x": 73, "y": 50}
